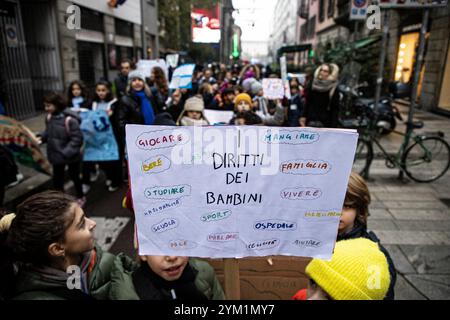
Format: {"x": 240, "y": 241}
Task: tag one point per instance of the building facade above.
{"x": 284, "y": 26}
{"x": 325, "y": 23}
{"x": 48, "y": 53}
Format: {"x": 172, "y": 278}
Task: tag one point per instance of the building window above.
{"x": 123, "y": 28}
{"x": 331, "y": 6}
{"x": 321, "y": 10}
{"x": 91, "y": 20}
{"x": 311, "y": 27}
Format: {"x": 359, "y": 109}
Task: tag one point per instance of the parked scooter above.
{"x": 353, "y": 101}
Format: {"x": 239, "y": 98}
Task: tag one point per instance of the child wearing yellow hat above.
{"x": 358, "y": 270}
{"x": 353, "y": 221}
{"x": 243, "y": 109}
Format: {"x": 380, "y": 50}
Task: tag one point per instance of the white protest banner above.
{"x": 284, "y": 77}
{"x": 273, "y": 88}
{"x": 172, "y": 60}
{"x": 182, "y": 77}
{"x": 230, "y": 191}
{"x": 146, "y": 66}
{"x": 218, "y": 116}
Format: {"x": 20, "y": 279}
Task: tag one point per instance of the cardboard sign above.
{"x": 228, "y": 191}
{"x": 172, "y": 60}
{"x": 182, "y": 77}
{"x": 146, "y": 67}
{"x": 273, "y": 88}
{"x": 284, "y": 77}
{"x": 99, "y": 141}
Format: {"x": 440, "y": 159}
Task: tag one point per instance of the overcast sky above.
{"x": 255, "y": 18}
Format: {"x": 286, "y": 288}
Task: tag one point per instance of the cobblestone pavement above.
{"x": 412, "y": 220}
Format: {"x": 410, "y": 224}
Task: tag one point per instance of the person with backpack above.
{"x": 64, "y": 143}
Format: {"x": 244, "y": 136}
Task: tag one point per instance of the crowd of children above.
{"x": 50, "y": 232}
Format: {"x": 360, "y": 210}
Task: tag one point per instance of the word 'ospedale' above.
{"x": 275, "y": 225}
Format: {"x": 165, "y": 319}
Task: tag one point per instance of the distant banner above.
{"x": 284, "y": 77}
{"x": 99, "y": 141}
{"x": 172, "y": 60}
{"x": 146, "y": 67}
{"x": 182, "y": 77}
{"x": 273, "y": 88}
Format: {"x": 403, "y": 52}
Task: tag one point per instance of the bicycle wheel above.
{"x": 363, "y": 157}
{"x": 427, "y": 160}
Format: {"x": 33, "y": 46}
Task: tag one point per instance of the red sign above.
{"x": 206, "y": 25}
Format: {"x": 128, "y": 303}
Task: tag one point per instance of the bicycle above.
{"x": 423, "y": 157}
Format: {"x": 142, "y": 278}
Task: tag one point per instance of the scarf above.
{"x": 324, "y": 85}
{"x": 150, "y": 286}
{"x": 146, "y": 107}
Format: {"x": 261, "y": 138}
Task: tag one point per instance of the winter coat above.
{"x": 8, "y": 167}
{"x": 122, "y": 287}
{"x": 160, "y": 98}
{"x": 362, "y": 232}
{"x": 322, "y": 107}
{"x": 295, "y": 111}
{"x": 30, "y": 285}
{"x": 63, "y": 137}
{"x": 120, "y": 84}
{"x": 129, "y": 111}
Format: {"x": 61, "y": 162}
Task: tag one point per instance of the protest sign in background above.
{"x": 218, "y": 116}
{"x": 228, "y": 191}
{"x": 146, "y": 66}
{"x": 273, "y": 88}
{"x": 182, "y": 77}
{"x": 172, "y": 60}
{"x": 99, "y": 141}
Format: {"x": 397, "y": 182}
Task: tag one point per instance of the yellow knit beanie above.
{"x": 358, "y": 270}
{"x": 242, "y": 97}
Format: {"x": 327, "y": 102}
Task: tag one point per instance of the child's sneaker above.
{"x": 86, "y": 188}
{"x": 81, "y": 201}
